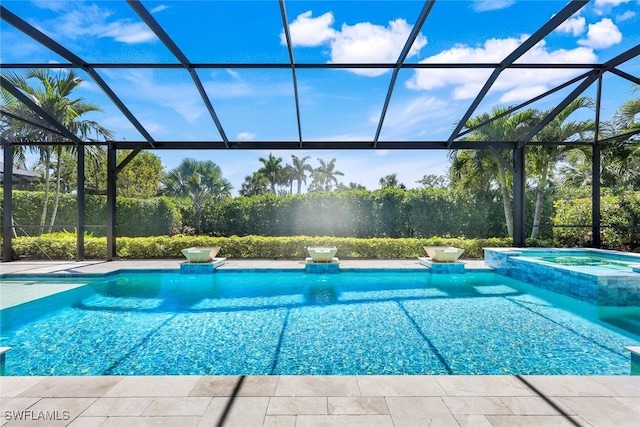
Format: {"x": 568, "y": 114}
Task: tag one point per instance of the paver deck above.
{"x": 394, "y": 401}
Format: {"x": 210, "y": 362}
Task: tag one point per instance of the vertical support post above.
{"x": 596, "y": 241}
{"x": 518, "y": 195}
{"x": 111, "y": 202}
{"x": 7, "y": 204}
{"x": 595, "y": 197}
{"x": 80, "y": 202}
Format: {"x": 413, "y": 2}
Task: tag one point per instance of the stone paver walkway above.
{"x": 393, "y": 401}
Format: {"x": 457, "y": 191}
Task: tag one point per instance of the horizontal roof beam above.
{"x": 76, "y": 61}
{"x": 310, "y": 145}
{"x": 303, "y": 65}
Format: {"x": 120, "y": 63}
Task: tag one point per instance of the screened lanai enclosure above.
{"x": 316, "y": 75}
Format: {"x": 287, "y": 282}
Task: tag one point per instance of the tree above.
{"x": 469, "y": 167}
{"x": 272, "y": 170}
{"x": 201, "y": 181}
{"x": 433, "y": 181}
{"x": 391, "y": 181}
{"x": 324, "y": 176}
{"x": 141, "y": 176}
{"x": 300, "y": 169}
{"x": 620, "y": 157}
{"x": 624, "y": 153}
{"x": 350, "y": 187}
{"x": 544, "y": 158}
{"x": 254, "y": 185}
{"x": 287, "y": 176}
{"x": 52, "y": 93}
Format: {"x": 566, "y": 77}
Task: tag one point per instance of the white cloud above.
{"x": 514, "y": 84}
{"x": 128, "y": 33}
{"x": 308, "y": 31}
{"x": 601, "y": 35}
{"x": 179, "y": 97}
{"x": 519, "y": 94}
{"x": 159, "y": 8}
{"x": 607, "y": 3}
{"x": 625, "y": 16}
{"x": 79, "y": 20}
{"x": 574, "y": 25}
{"x": 234, "y": 74}
{"x": 51, "y": 5}
{"x": 363, "y": 42}
{"x": 486, "y": 5}
{"x": 246, "y": 136}
{"x": 369, "y": 43}
{"x": 409, "y": 118}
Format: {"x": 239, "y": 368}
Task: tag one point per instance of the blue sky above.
{"x": 334, "y": 104}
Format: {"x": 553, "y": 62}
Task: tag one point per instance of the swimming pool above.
{"x": 600, "y": 277}
{"x": 288, "y": 322}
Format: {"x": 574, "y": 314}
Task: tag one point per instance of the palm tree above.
{"x": 324, "y": 176}
{"x": 272, "y": 170}
{"x": 544, "y": 158}
{"x": 52, "y": 94}
{"x": 201, "y": 181}
{"x": 391, "y": 181}
{"x": 471, "y": 166}
{"x": 431, "y": 180}
{"x": 352, "y": 186}
{"x": 626, "y": 118}
{"x": 620, "y": 158}
{"x": 286, "y": 180}
{"x": 300, "y": 169}
{"x": 625, "y": 152}
{"x": 254, "y": 185}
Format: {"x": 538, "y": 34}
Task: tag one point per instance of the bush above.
{"x": 62, "y": 246}
{"x": 620, "y": 222}
{"x": 420, "y": 213}
{"x": 134, "y": 217}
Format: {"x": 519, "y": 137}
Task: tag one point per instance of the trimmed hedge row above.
{"x": 134, "y": 217}
{"x": 63, "y": 246}
{"x": 420, "y": 213}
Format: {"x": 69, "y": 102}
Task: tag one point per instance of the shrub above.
{"x": 620, "y": 218}
{"x": 359, "y": 213}
{"x": 62, "y": 246}
{"x": 134, "y": 217}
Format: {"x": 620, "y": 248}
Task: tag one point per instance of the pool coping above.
{"x": 314, "y": 400}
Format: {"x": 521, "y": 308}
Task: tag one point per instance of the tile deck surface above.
{"x": 394, "y": 401}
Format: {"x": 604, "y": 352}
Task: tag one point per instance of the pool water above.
{"x": 589, "y": 260}
{"x": 288, "y": 322}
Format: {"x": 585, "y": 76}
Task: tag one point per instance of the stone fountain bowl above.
{"x": 443, "y": 253}
{"x": 322, "y": 253}
{"x": 200, "y": 254}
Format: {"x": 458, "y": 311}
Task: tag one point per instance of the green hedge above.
{"x": 620, "y": 219}
{"x": 420, "y": 213}
{"x": 134, "y": 217}
{"x": 62, "y": 246}
{"x": 416, "y": 213}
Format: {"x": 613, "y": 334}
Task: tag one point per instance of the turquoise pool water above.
{"x": 593, "y": 262}
{"x": 288, "y": 322}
